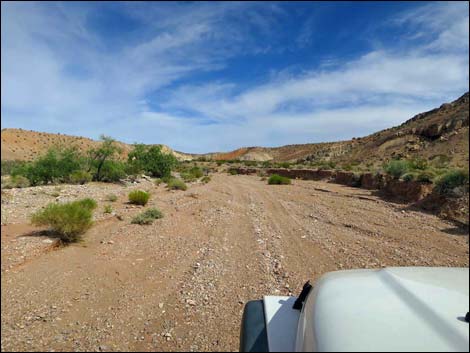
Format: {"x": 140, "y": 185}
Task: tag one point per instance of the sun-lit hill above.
{"x": 20, "y": 144}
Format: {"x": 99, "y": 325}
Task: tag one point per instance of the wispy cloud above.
{"x": 166, "y": 80}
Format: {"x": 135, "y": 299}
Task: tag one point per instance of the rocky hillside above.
{"x": 440, "y": 132}
{"x": 19, "y": 144}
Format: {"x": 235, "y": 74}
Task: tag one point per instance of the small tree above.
{"x": 100, "y": 155}
{"x": 151, "y": 160}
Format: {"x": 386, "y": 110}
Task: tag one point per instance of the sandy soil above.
{"x": 181, "y": 283}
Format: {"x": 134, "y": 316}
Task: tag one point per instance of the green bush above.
{"x": 111, "y": 198}
{"x": 409, "y": 176}
{"x": 151, "y": 160}
{"x": 266, "y": 164}
{"x": 8, "y": 167}
{"x": 80, "y": 177}
{"x": 233, "y": 171}
{"x": 451, "y": 180}
{"x": 418, "y": 164}
{"x": 16, "y": 181}
{"x": 68, "y": 220}
{"x": 55, "y": 165}
{"x": 276, "y": 179}
{"x": 187, "y": 177}
{"x": 166, "y": 179}
{"x": 158, "y": 181}
{"x": 147, "y": 217}
{"x": 397, "y": 168}
{"x": 206, "y": 179}
{"x": 108, "y": 209}
{"x": 112, "y": 171}
{"x": 425, "y": 176}
{"x": 139, "y": 197}
{"x": 196, "y": 172}
{"x": 176, "y": 184}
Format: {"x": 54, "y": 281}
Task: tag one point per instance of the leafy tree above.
{"x": 102, "y": 154}
{"x": 151, "y": 160}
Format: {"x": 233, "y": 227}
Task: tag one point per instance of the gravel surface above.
{"x": 181, "y": 283}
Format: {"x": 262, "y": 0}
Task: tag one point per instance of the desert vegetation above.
{"x": 68, "y": 220}
{"x": 176, "y": 184}
{"x": 68, "y": 165}
{"x": 147, "y": 217}
{"x": 276, "y": 179}
{"x": 139, "y": 197}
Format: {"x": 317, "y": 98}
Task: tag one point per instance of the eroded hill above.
{"x": 24, "y": 145}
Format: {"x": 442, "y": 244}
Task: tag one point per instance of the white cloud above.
{"x": 116, "y": 91}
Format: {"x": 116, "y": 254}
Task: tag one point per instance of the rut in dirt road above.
{"x": 181, "y": 283}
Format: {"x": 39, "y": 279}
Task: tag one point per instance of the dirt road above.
{"x": 181, "y": 283}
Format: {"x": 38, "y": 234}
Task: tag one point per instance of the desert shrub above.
{"x": 112, "y": 171}
{"x": 196, "y": 172}
{"x": 139, "y": 197}
{"x": 176, "y": 184}
{"x": 68, "y": 220}
{"x": 55, "y": 165}
{"x": 166, "y": 179}
{"x": 9, "y": 166}
{"x": 152, "y": 160}
{"x": 397, "y": 168}
{"x": 206, "y": 179}
{"x": 284, "y": 165}
{"x": 219, "y": 163}
{"x": 147, "y": 217}
{"x": 111, "y": 198}
{"x": 451, "y": 180}
{"x": 233, "y": 171}
{"x": 108, "y": 209}
{"x": 187, "y": 177}
{"x": 276, "y": 179}
{"x": 158, "y": 181}
{"x": 16, "y": 181}
{"x": 418, "y": 164}
{"x": 440, "y": 161}
{"x": 80, "y": 177}
{"x": 425, "y": 176}
{"x": 409, "y": 176}
{"x": 323, "y": 164}
{"x": 250, "y": 163}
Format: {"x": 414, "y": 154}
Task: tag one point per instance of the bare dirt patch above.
{"x": 181, "y": 282}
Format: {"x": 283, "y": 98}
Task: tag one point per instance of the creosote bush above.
{"x": 139, "y": 197}
{"x": 176, "y": 184}
{"x": 111, "y": 198}
{"x": 276, "y": 179}
{"x": 147, "y": 217}
{"x": 69, "y": 220}
{"x": 80, "y": 177}
{"x": 206, "y": 179}
{"x": 451, "y": 180}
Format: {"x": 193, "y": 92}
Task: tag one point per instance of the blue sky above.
{"x": 216, "y": 76}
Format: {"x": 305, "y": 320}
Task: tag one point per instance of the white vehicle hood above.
{"x": 393, "y": 309}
